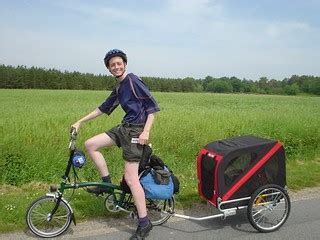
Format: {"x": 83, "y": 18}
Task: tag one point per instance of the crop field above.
{"x": 35, "y": 134}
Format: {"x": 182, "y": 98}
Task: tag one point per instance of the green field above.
{"x": 35, "y": 134}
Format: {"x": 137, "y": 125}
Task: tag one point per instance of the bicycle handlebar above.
{"x": 73, "y": 138}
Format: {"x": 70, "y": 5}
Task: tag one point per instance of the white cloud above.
{"x": 279, "y": 29}
{"x": 192, "y": 7}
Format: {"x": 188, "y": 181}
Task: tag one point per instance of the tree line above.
{"x": 40, "y": 78}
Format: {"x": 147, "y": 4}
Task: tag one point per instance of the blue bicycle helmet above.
{"x": 113, "y": 53}
{"x": 78, "y": 159}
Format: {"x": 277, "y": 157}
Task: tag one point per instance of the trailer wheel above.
{"x": 268, "y": 208}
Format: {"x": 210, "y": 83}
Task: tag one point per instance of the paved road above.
{"x": 303, "y": 223}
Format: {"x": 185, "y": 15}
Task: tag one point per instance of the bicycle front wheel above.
{"x": 42, "y": 223}
{"x": 159, "y": 211}
{"x": 269, "y": 208}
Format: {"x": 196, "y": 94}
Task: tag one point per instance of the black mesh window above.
{"x": 237, "y": 167}
{"x": 272, "y": 172}
{"x": 208, "y": 165}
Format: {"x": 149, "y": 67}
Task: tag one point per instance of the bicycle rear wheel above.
{"x": 269, "y": 208}
{"x": 40, "y": 221}
{"x": 159, "y": 211}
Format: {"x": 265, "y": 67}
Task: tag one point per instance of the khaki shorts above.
{"x": 122, "y": 136}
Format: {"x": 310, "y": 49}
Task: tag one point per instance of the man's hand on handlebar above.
{"x": 76, "y": 126}
{"x": 73, "y": 138}
{"x": 73, "y": 131}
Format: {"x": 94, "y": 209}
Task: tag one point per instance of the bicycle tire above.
{"x": 159, "y": 211}
{"x": 269, "y": 208}
{"x": 38, "y": 213}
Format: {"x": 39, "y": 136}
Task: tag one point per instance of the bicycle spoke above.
{"x": 269, "y": 208}
{"x": 39, "y": 213}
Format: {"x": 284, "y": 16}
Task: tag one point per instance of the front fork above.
{"x": 58, "y": 198}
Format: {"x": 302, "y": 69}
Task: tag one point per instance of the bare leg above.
{"x": 93, "y": 145}
{"x": 132, "y": 179}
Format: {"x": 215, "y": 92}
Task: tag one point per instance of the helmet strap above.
{"x": 117, "y": 77}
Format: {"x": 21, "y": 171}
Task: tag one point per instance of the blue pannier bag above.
{"x": 154, "y": 190}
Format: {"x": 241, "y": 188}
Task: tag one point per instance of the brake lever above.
{"x": 73, "y": 133}
{"x": 73, "y": 138}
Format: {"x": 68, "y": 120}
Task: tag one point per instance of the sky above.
{"x": 165, "y": 38}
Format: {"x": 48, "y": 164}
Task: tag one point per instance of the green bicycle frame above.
{"x": 65, "y": 185}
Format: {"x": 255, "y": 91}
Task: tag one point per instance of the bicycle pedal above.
{"x": 99, "y": 194}
{"x": 133, "y": 216}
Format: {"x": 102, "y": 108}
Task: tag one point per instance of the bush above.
{"x": 219, "y": 86}
{"x": 292, "y": 89}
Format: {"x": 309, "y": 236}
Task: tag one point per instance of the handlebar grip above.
{"x": 73, "y": 138}
{"x": 73, "y": 133}
{"x": 73, "y": 130}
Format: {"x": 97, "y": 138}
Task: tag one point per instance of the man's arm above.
{"x": 86, "y": 118}
{"x": 144, "y": 136}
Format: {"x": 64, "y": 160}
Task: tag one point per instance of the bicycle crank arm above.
{"x": 122, "y": 209}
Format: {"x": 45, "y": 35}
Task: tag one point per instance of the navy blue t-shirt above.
{"x": 134, "y": 98}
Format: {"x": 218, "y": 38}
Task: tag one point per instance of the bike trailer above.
{"x": 234, "y": 168}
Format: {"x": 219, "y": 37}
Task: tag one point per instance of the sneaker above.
{"x": 98, "y": 190}
{"x": 142, "y": 232}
